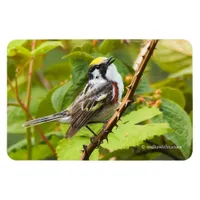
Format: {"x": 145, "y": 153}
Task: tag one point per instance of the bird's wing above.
{"x": 92, "y": 101}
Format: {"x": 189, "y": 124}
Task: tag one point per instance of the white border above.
{"x": 98, "y": 180}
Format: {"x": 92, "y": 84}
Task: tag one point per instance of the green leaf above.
{"x": 80, "y": 55}
{"x": 84, "y": 132}
{"x": 124, "y": 54}
{"x": 46, "y": 47}
{"x": 173, "y": 55}
{"x": 59, "y": 71}
{"x": 87, "y": 47}
{"x": 39, "y": 152}
{"x": 128, "y": 154}
{"x": 129, "y": 134}
{"x": 21, "y": 154}
{"x": 63, "y": 96}
{"x": 23, "y": 51}
{"x": 174, "y": 95}
{"x": 11, "y": 67}
{"x": 42, "y": 151}
{"x": 15, "y": 117}
{"x": 44, "y": 108}
{"x": 108, "y": 45}
{"x": 79, "y": 71}
{"x": 71, "y": 149}
{"x": 141, "y": 115}
{"x": 22, "y": 144}
{"x": 76, "y": 48}
{"x": 122, "y": 68}
{"x": 134, "y": 135}
{"x": 180, "y": 122}
{"x": 182, "y": 72}
{"x": 16, "y": 46}
{"x": 80, "y": 62}
{"x": 55, "y": 68}
{"x": 37, "y": 95}
{"x": 144, "y": 86}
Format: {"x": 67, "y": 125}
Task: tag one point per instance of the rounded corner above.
{"x": 189, "y": 157}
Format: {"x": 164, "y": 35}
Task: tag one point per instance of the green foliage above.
{"x": 180, "y": 122}
{"x": 44, "y": 108}
{"x": 59, "y": 74}
{"x": 39, "y": 152}
{"x": 46, "y": 47}
{"x": 185, "y": 71}
{"x": 174, "y": 95}
{"x": 15, "y": 120}
{"x": 173, "y": 55}
{"x": 63, "y": 96}
{"x": 143, "y": 86}
{"x": 71, "y": 149}
{"x": 59, "y": 71}
{"x": 16, "y": 47}
{"x": 129, "y": 134}
{"x": 126, "y": 135}
{"x": 80, "y": 67}
{"x": 108, "y": 45}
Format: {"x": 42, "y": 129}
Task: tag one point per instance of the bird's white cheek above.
{"x": 96, "y": 74}
{"x": 97, "y": 78}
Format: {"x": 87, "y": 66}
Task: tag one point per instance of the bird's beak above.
{"x": 109, "y": 61}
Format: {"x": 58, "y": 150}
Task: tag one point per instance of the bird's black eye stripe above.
{"x": 92, "y": 68}
{"x": 95, "y": 67}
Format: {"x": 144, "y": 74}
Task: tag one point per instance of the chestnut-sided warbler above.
{"x": 96, "y": 103}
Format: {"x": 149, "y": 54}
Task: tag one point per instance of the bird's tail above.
{"x": 45, "y": 119}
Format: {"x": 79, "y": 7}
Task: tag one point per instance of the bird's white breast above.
{"x": 113, "y": 75}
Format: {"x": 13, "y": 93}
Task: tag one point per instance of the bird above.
{"x": 96, "y": 103}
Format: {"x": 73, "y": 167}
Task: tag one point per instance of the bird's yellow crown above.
{"x": 97, "y": 61}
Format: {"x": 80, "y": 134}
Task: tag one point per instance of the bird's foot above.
{"x": 93, "y": 141}
{"x": 84, "y": 148}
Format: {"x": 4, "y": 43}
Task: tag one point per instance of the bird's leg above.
{"x": 92, "y": 138}
{"x": 90, "y": 130}
{"x": 98, "y": 122}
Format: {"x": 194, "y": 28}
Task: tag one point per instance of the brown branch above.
{"x": 13, "y": 104}
{"x": 44, "y": 81}
{"x": 28, "y": 98}
{"x": 30, "y": 116}
{"x": 145, "y": 55}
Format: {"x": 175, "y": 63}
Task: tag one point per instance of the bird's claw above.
{"x": 84, "y": 148}
{"x": 92, "y": 139}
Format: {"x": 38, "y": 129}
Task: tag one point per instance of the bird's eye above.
{"x": 97, "y": 77}
{"x": 97, "y": 67}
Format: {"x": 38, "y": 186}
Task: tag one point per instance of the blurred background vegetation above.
{"x": 45, "y": 76}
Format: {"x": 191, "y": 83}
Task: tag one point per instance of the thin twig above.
{"x": 28, "y": 98}
{"x": 30, "y": 117}
{"x": 13, "y": 104}
{"x": 44, "y": 81}
{"x": 149, "y": 48}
